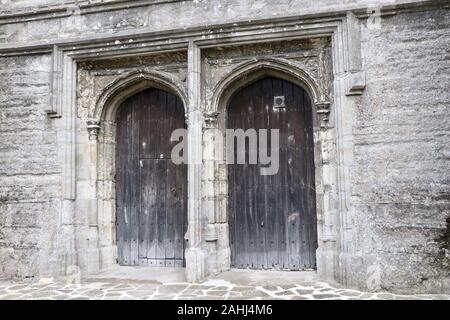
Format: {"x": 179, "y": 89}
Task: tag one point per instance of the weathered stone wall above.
{"x": 10, "y": 5}
{"x": 401, "y": 174}
{"x": 88, "y": 20}
{"x": 397, "y": 231}
{"x": 30, "y": 179}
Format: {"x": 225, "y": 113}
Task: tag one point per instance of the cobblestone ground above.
{"x": 124, "y": 290}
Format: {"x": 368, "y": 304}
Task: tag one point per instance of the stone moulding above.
{"x": 84, "y": 7}
{"x": 56, "y": 84}
{"x": 323, "y": 112}
{"x": 90, "y": 7}
{"x": 356, "y": 83}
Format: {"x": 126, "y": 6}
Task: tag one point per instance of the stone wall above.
{"x": 401, "y": 174}
{"x": 30, "y": 179}
{"x": 91, "y": 19}
{"x": 396, "y": 224}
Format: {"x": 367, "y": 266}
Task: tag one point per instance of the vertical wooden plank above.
{"x": 127, "y": 175}
{"x": 134, "y": 185}
{"x": 298, "y": 179}
{"x": 160, "y": 174}
{"x": 264, "y": 223}
{"x": 267, "y": 217}
{"x": 241, "y": 218}
{"x": 245, "y": 169}
{"x": 275, "y": 182}
{"x": 306, "y": 174}
{"x": 161, "y": 133}
{"x": 126, "y": 245}
{"x": 151, "y": 118}
{"x": 279, "y": 236}
{"x": 148, "y": 209}
{"x": 119, "y": 184}
{"x": 171, "y": 199}
{"x": 180, "y": 215}
{"x": 180, "y": 123}
{"x": 171, "y": 115}
{"x": 239, "y": 205}
{"x": 170, "y": 182}
{"x": 120, "y": 197}
{"x": 124, "y": 197}
{"x": 252, "y": 117}
{"x": 231, "y": 206}
{"x": 310, "y": 198}
{"x": 145, "y": 194}
{"x": 145, "y": 191}
{"x": 293, "y": 216}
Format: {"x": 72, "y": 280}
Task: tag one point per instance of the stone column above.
{"x": 195, "y": 255}
{"x": 86, "y": 203}
{"x": 209, "y": 184}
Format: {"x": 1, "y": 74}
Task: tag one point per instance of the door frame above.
{"x": 104, "y": 144}
{"x": 323, "y": 141}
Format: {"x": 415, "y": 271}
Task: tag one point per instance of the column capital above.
{"x": 210, "y": 118}
{"x": 323, "y": 111}
{"x": 93, "y": 128}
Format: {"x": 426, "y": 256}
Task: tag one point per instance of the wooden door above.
{"x": 150, "y": 188}
{"x": 273, "y": 217}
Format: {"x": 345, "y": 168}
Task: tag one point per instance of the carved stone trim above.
{"x": 129, "y": 84}
{"x": 211, "y": 233}
{"x": 93, "y": 128}
{"x": 281, "y": 67}
{"x": 83, "y": 6}
{"x": 56, "y": 85}
{"x": 323, "y": 112}
{"x": 355, "y": 83}
{"x": 210, "y": 118}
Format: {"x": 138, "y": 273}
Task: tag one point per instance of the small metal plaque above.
{"x": 278, "y": 102}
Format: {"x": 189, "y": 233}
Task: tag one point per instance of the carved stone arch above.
{"x": 120, "y": 89}
{"x": 251, "y": 71}
{"x": 116, "y": 92}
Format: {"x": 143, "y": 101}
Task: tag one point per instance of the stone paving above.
{"x": 211, "y": 289}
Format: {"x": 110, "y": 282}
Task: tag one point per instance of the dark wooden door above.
{"x": 273, "y": 217}
{"x": 150, "y": 188}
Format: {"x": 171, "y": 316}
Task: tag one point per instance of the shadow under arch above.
{"x": 118, "y": 91}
